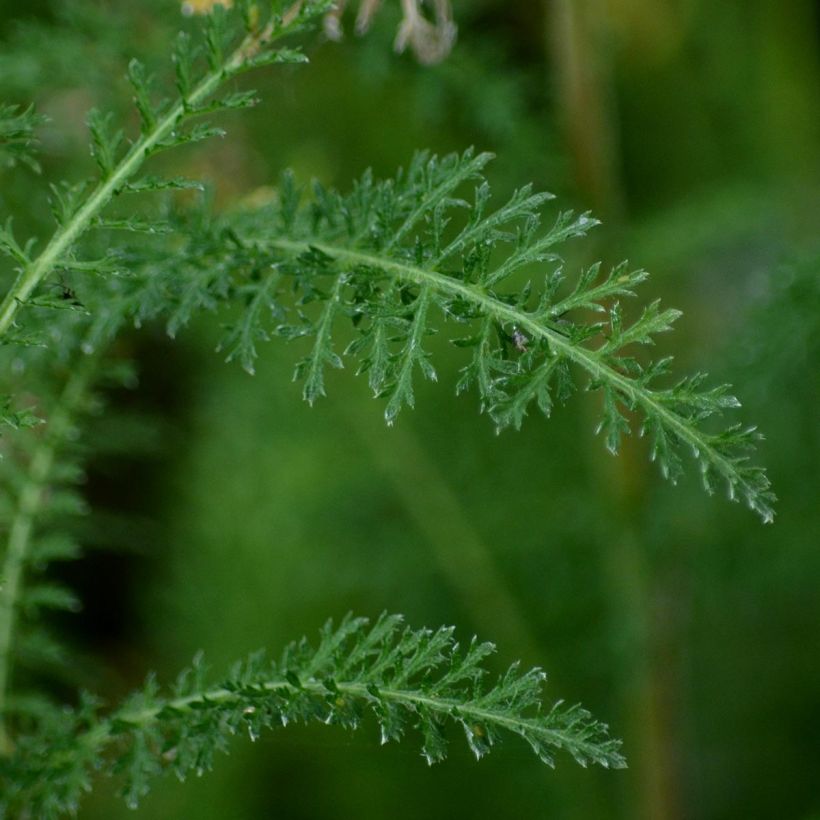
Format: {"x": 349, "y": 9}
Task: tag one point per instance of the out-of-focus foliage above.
{"x": 17, "y": 141}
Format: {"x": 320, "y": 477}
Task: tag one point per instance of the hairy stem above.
{"x": 19, "y": 540}
{"x": 66, "y": 235}
{"x": 590, "y": 360}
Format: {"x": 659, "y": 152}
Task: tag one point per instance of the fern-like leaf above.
{"x": 392, "y": 255}
{"x": 406, "y": 679}
{"x": 17, "y": 137}
{"x": 233, "y": 43}
{"x": 38, "y": 480}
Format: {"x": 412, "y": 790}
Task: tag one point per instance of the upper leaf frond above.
{"x": 408, "y": 257}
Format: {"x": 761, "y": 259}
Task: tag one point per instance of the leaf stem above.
{"x": 446, "y": 707}
{"x": 67, "y": 234}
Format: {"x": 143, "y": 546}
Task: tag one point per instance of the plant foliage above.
{"x": 405, "y": 259}
{"x": 419, "y": 679}
{"x": 370, "y": 277}
{"x": 17, "y": 137}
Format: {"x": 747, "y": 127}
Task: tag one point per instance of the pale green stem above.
{"x": 19, "y": 540}
{"x": 66, "y": 235}
{"x": 446, "y": 707}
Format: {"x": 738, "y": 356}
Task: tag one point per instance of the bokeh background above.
{"x": 242, "y": 519}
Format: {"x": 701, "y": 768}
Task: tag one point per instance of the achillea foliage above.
{"x": 17, "y": 136}
{"x": 368, "y": 277}
{"x": 232, "y": 44}
{"x": 403, "y": 679}
{"x": 407, "y": 258}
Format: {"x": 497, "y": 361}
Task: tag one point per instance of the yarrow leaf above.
{"x": 18, "y": 142}
{"x": 405, "y": 679}
{"x": 407, "y": 258}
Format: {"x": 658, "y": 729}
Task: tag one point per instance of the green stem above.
{"x": 446, "y": 707}
{"x": 22, "y": 526}
{"x": 589, "y": 360}
{"x": 66, "y": 235}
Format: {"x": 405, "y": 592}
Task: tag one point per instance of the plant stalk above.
{"x": 22, "y": 527}
{"x": 101, "y": 733}
{"x": 66, "y": 235}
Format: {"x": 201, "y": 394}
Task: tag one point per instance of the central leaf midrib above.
{"x": 585, "y": 358}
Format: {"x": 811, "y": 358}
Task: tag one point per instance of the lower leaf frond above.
{"x": 406, "y": 678}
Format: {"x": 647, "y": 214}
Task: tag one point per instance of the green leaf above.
{"x": 17, "y": 419}
{"x": 104, "y": 144}
{"x": 262, "y": 308}
{"x": 49, "y": 596}
{"x": 405, "y": 679}
{"x": 407, "y": 254}
{"x": 10, "y": 247}
{"x": 155, "y": 183}
{"x": 18, "y": 142}
{"x": 142, "y": 96}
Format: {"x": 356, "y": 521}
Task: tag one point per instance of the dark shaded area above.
{"x": 136, "y": 441}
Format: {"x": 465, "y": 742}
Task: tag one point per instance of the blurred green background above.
{"x": 692, "y": 129}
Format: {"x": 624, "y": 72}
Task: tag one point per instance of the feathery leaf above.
{"x": 407, "y": 258}
{"x": 406, "y": 679}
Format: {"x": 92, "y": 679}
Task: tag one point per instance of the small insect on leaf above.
{"x": 519, "y": 340}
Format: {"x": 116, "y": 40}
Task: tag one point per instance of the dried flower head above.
{"x": 429, "y": 40}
